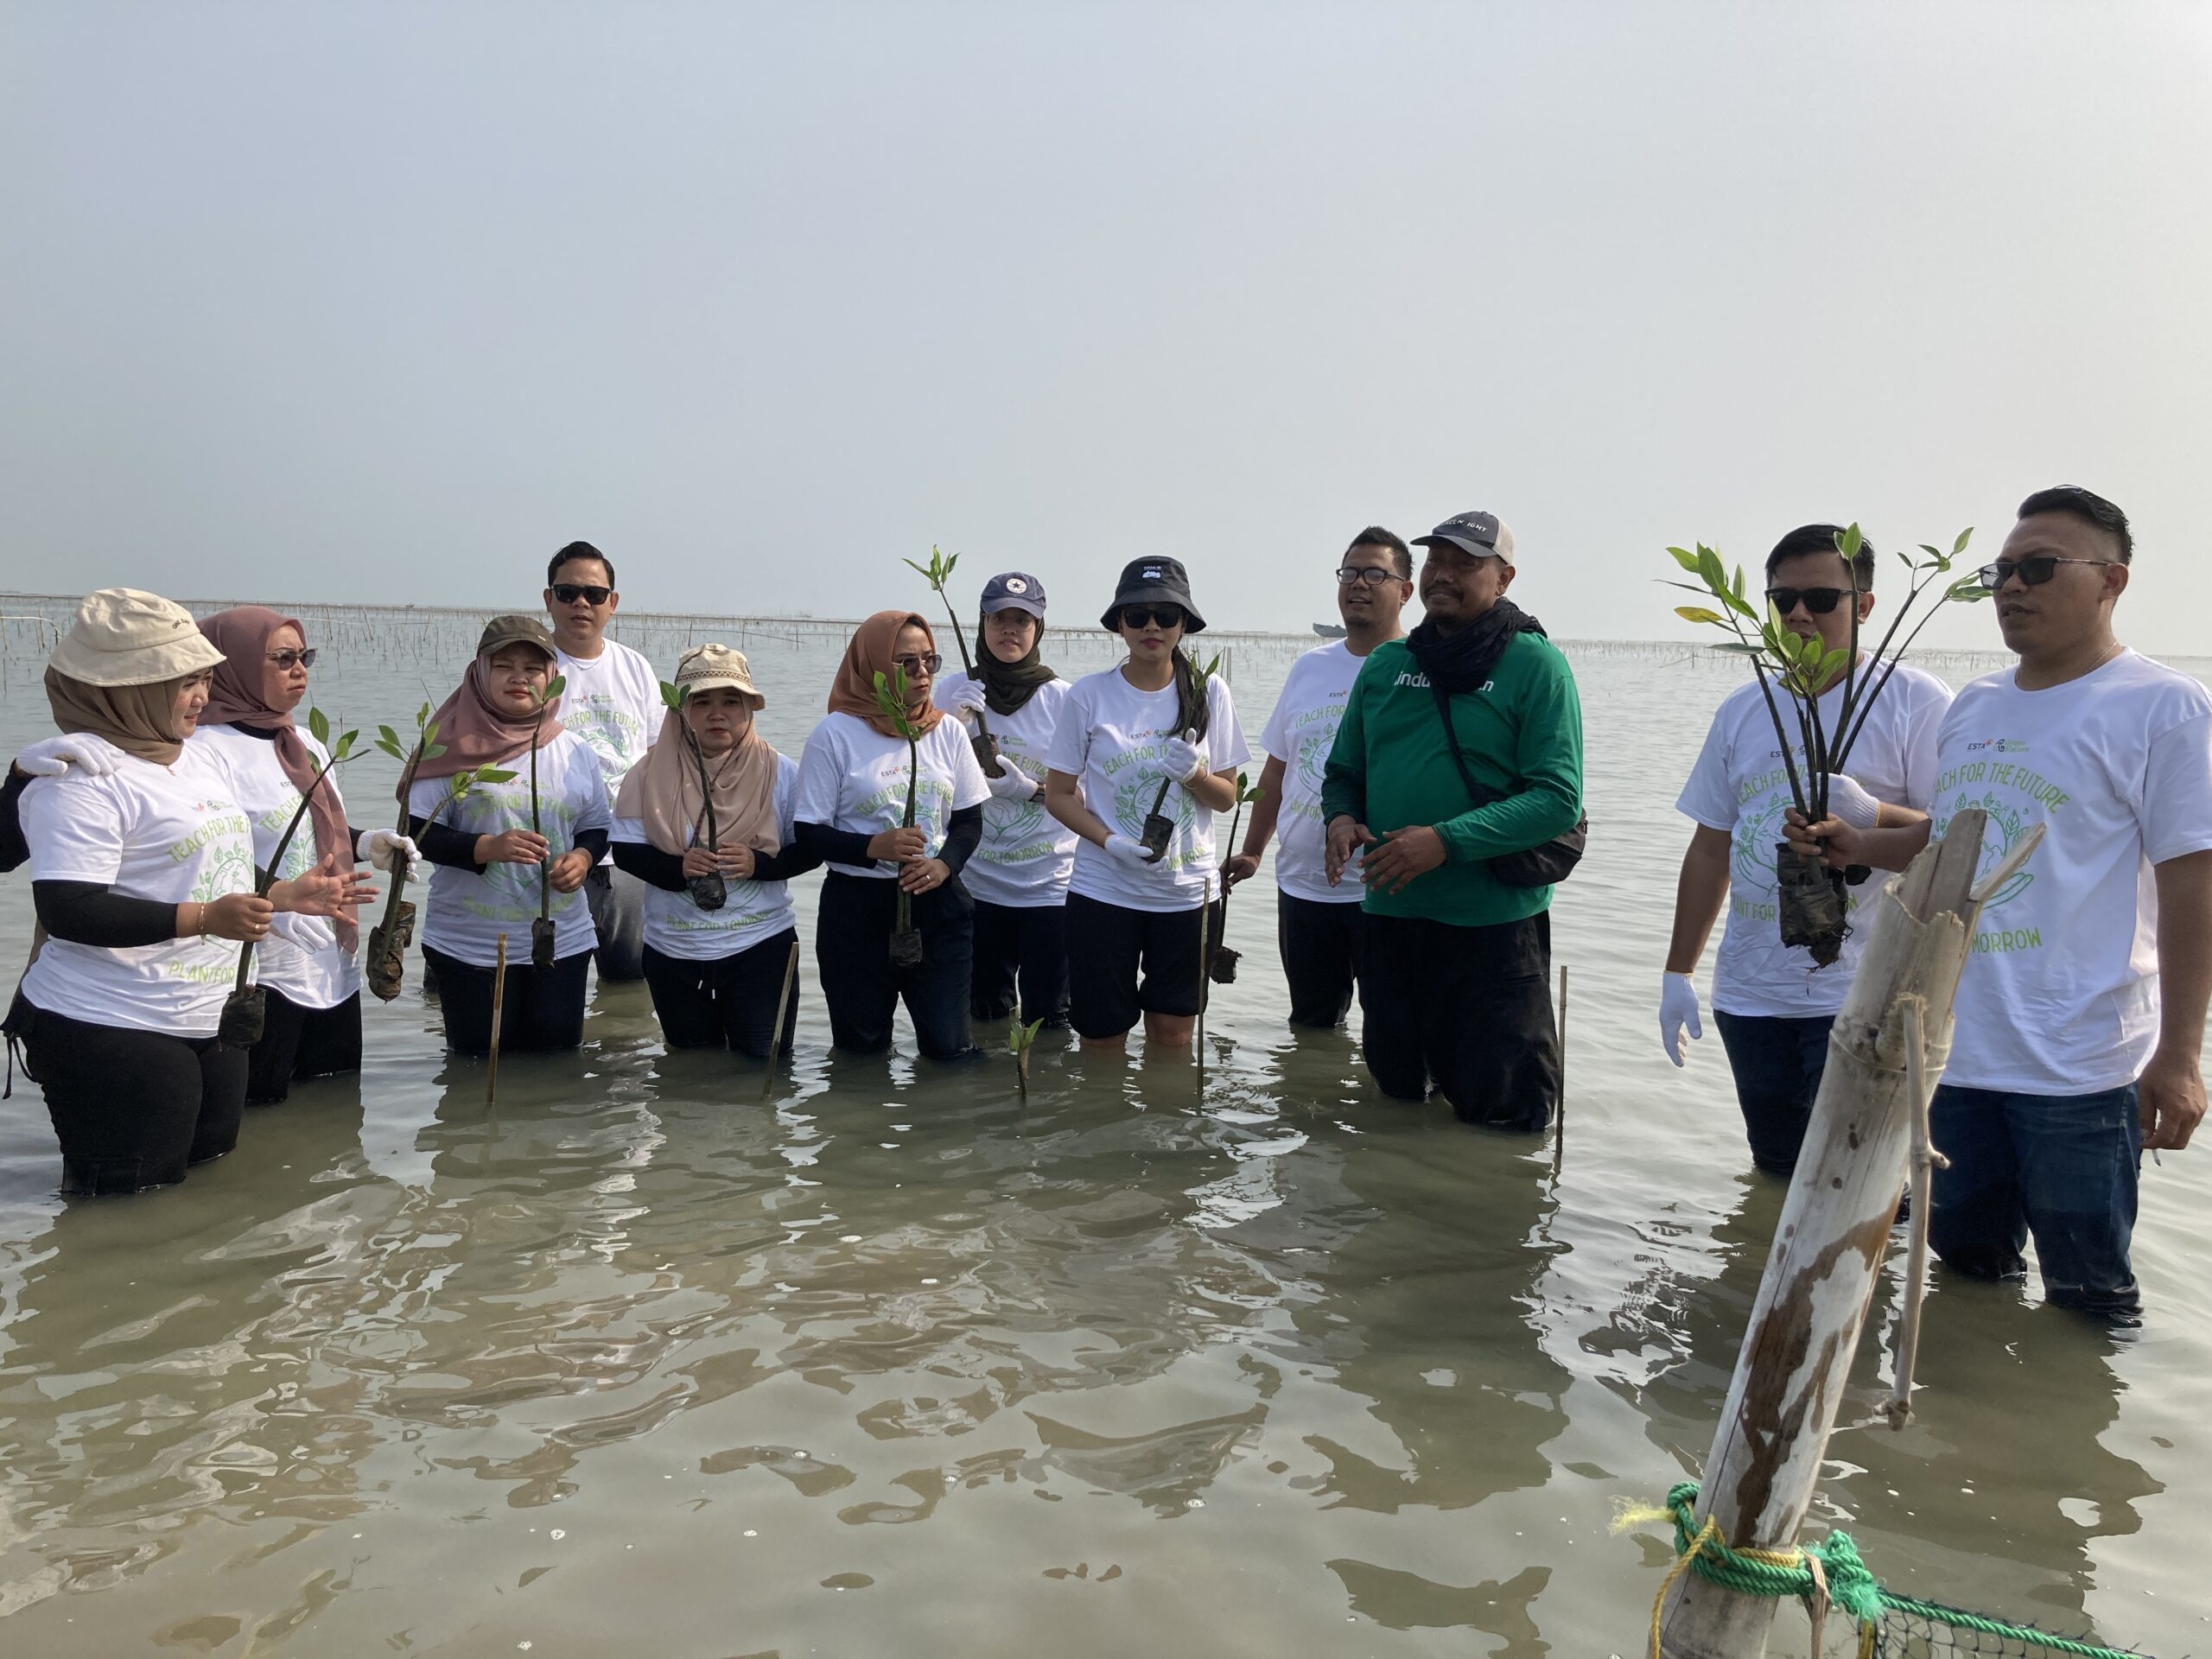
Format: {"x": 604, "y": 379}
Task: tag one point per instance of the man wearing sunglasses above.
{"x": 2079, "y": 1019}
{"x": 1318, "y": 928}
{"x": 1773, "y": 1007}
{"x": 612, "y": 701}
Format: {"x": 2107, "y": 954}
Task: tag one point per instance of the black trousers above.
{"x": 1125, "y": 964}
{"x": 1025, "y": 946}
{"x": 541, "y": 1008}
{"x": 1321, "y": 946}
{"x": 727, "y": 1002}
{"x": 852, "y": 952}
{"x": 1468, "y": 1009}
{"x": 133, "y": 1109}
{"x": 298, "y": 1043}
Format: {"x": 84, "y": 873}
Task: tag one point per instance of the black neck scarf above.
{"x": 1007, "y": 686}
{"x": 1464, "y": 661}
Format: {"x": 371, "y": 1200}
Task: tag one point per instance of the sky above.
{"x": 386, "y": 301}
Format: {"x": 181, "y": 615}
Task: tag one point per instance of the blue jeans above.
{"x": 1778, "y": 1061}
{"x": 2061, "y": 1167}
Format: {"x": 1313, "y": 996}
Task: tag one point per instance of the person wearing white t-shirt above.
{"x": 1019, "y": 876}
{"x": 1146, "y": 739}
{"x": 610, "y": 698}
{"x": 1320, "y": 930}
{"x": 891, "y": 798}
{"x": 511, "y": 849}
{"x": 1774, "y": 1005}
{"x": 143, "y": 876}
{"x": 706, "y": 820}
{"x": 2078, "y": 1026}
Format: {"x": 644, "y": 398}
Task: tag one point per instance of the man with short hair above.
{"x": 1460, "y": 748}
{"x": 2079, "y": 1019}
{"x": 1319, "y": 924}
{"x": 1774, "y": 1006}
{"x": 611, "y": 700}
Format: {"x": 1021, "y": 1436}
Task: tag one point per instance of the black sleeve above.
{"x": 14, "y": 851}
{"x": 795, "y": 859}
{"x": 834, "y": 846}
{"x": 648, "y": 863}
{"x": 86, "y": 913}
{"x": 962, "y": 837}
{"x": 441, "y": 844}
{"x": 592, "y": 842}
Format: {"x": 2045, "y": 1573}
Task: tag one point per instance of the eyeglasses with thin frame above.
{"x": 1154, "y": 616}
{"x": 1819, "y": 601}
{"x": 2033, "y": 571}
{"x": 285, "y": 659}
{"x": 570, "y": 591}
{"x": 915, "y": 665}
{"x": 1373, "y": 575}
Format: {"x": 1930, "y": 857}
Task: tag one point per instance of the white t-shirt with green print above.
{"x": 613, "y": 701}
{"x": 852, "y": 777}
{"x": 1301, "y": 733}
{"x": 170, "y": 834}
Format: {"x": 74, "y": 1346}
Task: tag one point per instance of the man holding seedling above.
{"x": 611, "y": 699}
{"x": 1773, "y": 1004}
{"x": 1319, "y": 927}
{"x": 2079, "y": 1027}
{"x": 1457, "y": 766}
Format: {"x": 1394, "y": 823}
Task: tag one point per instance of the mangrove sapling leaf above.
{"x": 1020, "y": 1039}
{"x": 892, "y": 695}
{"x": 938, "y": 572}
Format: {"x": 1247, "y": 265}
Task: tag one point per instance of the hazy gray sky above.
{"x": 389, "y": 300}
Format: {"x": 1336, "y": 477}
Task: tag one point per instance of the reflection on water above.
{"x": 635, "y": 1358}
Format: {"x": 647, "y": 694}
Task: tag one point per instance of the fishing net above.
{"x": 1888, "y": 1625}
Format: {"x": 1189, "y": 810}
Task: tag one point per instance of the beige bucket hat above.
{"x": 704, "y": 667}
{"x": 124, "y": 636}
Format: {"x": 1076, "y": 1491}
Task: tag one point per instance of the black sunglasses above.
{"x": 1157, "y": 616}
{"x": 570, "y": 591}
{"x": 913, "y": 665}
{"x": 1817, "y": 601}
{"x": 286, "y": 658}
{"x": 2032, "y": 571}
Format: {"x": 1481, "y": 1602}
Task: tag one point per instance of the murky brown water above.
{"x": 637, "y": 1361}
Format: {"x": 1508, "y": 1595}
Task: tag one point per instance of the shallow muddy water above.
{"x": 887, "y": 1363}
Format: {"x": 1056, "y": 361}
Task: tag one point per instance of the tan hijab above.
{"x": 137, "y": 718}
{"x": 873, "y": 645}
{"x": 662, "y": 792}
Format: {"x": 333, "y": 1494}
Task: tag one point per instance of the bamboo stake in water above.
{"x": 1205, "y": 913}
{"x": 498, "y": 995}
{"x": 1926, "y": 1160}
{"x": 776, "y": 1031}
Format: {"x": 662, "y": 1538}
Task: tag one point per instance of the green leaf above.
{"x": 1832, "y": 664}
{"x": 1738, "y": 648}
{"x": 1696, "y": 614}
{"x": 1904, "y": 558}
{"x": 1959, "y": 546}
{"x": 1684, "y": 557}
{"x": 421, "y": 715}
{"x": 386, "y": 734}
{"x": 494, "y": 775}
{"x": 1733, "y": 596}
{"x": 1709, "y": 567}
{"x": 346, "y": 744}
{"x": 923, "y": 572}
{"x": 391, "y": 749}
{"x": 430, "y": 732}
{"x": 318, "y": 723}
{"x": 1932, "y": 552}
{"x": 1849, "y": 542}
{"x": 432, "y": 751}
{"x": 1968, "y": 590}
{"x": 554, "y": 688}
{"x": 670, "y": 696}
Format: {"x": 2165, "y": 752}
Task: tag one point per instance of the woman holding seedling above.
{"x": 1146, "y": 753}
{"x": 305, "y": 967}
{"x": 891, "y": 795}
{"x": 704, "y": 820}
{"x": 142, "y": 874}
{"x": 1019, "y": 876}
{"x": 513, "y": 813}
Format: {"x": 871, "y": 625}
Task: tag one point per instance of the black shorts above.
{"x": 1125, "y": 964}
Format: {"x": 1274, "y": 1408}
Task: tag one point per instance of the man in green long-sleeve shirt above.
{"x": 1458, "y": 989}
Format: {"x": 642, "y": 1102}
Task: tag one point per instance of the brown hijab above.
{"x": 873, "y": 645}
{"x": 236, "y": 699}
{"x": 475, "y": 732}
{"x": 137, "y": 718}
{"x": 662, "y": 792}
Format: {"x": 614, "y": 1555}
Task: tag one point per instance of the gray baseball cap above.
{"x": 1015, "y": 590}
{"x": 1480, "y": 535}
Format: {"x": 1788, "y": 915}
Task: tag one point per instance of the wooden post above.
{"x": 1828, "y": 1246}
{"x": 776, "y": 1031}
{"x": 498, "y": 995}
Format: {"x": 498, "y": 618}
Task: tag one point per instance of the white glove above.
{"x": 1182, "y": 759}
{"x": 52, "y": 756}
{"x": 967, "y": 713}
{"x": 376, "y": 847}
{"x": 1677, "y": 1009}
{"x": 1013, "y": 784}
{"x": 1128, "y": 851}
{"x": 1851, "y": 803}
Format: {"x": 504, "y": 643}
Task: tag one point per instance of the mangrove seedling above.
{"x": 1221, "y": 966}
{"x": 708, "y": 891}
{"x": 891, "y": 697}
{"x": 1800, "y": 669}
{"x": 1159, "y": 828}
{"x": 542, "y": 930}
{"x": 246, "y": 1011}
{"x": 384, "y": 964}
{"x": 936, "y": 573}
{"x": 1021, "y": 1039}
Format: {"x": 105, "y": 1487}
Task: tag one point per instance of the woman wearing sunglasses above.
{"x": 856, "y": 776}
{"x": 306, "y": 966}
{"x": 1133, "y": 916}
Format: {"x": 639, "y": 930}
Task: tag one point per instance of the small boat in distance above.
{"x": 1329, "y": 630}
